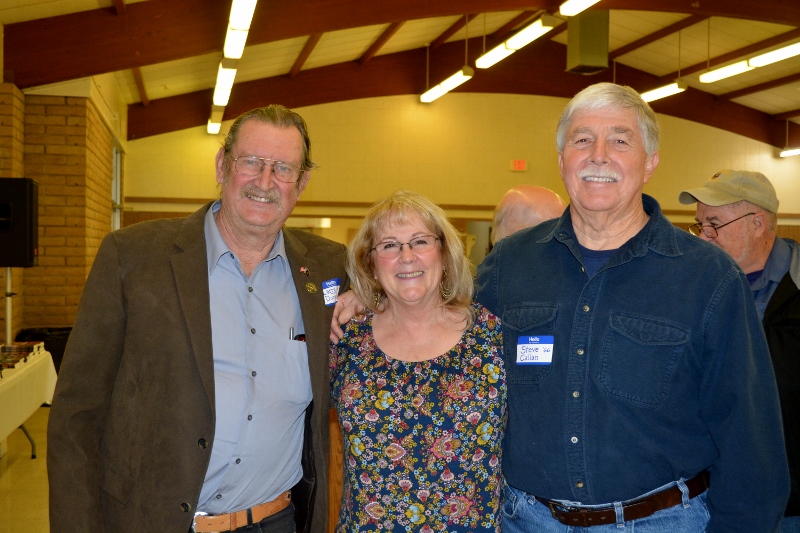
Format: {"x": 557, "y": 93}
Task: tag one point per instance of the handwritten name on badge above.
{"x": 330, "y": 290}
{"x": 535, "y": 350}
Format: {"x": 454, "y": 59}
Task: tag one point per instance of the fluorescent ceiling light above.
{"x": 725, "y": 72}
{"x": 448, "y": 85}
{"x": 213, "y": 127}
{"x": 533, "y": 31}
{"x": 226, "y": 73}
{"x": 225, "y": 76}
{"x": 571, "y": 8}
{"x": 216, "y": 113}
{"x": 234, "y": 43}
{"x": 493, "y": 56}
{"x": 541, "y": 26}
{"x": 788, "y": 152}
{"x": 221, "y": 96}
{"x": 242, "y": 14}
{"x": 663, "y": 92}
{"x": 776, "y": 55}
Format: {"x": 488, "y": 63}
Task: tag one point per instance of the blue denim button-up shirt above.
{"x": 659, "y": 370}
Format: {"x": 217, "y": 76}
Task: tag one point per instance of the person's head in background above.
{"x": 524, "y": 206}
{"x": 737, "y": 211}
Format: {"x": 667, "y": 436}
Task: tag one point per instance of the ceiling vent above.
{"x": 587, "y": 42}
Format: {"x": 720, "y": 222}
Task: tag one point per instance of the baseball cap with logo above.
{"x": 731, "y": 186}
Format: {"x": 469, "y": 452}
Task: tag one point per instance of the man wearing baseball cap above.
{"x": 737, "y": 211}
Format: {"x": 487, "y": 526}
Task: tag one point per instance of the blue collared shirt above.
{"x": 776, "y": 267}
{"x": 660, "y": 369}
{"x": 261, "y": 378}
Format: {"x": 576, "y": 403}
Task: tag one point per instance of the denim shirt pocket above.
{"x": 639, "y": 357}
{"x": 526, "y": 320}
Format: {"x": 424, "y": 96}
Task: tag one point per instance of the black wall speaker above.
{"x": 19, "y": 222}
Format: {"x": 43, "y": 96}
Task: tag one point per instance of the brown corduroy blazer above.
{"x": 133, "y": 417}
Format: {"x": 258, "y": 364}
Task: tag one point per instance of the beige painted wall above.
{"x": 455, "y": 151}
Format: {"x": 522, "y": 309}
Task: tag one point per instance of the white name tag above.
{"x": 330, "y": 290}
{"x": 535, "y": 350}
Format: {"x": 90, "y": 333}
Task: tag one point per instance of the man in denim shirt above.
{"x": 638, "y": 373}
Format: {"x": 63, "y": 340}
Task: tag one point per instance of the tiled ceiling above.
{"x": 648, "y": 47}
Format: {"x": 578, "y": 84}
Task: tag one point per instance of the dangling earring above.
{"x": 445, "y": 291}
{"x": 376, "y": 298}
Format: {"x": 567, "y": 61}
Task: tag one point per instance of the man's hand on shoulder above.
{"x": 347, "y": 306}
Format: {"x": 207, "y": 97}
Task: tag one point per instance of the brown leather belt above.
{"x": 635, "y": 510}
{"x": 230, "y": 521}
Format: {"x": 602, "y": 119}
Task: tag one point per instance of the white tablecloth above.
{"x": 24, "y": 389}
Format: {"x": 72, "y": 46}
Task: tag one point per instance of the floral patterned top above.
{"x": 422, "y": 440}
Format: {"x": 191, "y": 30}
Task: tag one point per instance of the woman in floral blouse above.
{"x": 418, "y": 381}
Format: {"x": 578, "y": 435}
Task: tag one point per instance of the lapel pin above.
{"x": 304, "y": 270}
{"x": 310, "y": 287}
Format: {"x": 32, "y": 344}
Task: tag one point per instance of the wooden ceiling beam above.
{"x": 88, "y": 43}
{"x": 788, "y": 115}
{"x": 404, "y": 73}
{"x": 119, "y": 6}
{"x": 780, "y": 82}
{"x": 62, "y": 48}
{"x": 736, "y": 54}
{"x": 311, "y": 43}
{"x": 691, "y": 20}
{"x": 379, "y": 43}
{"x": 137, "y": 77}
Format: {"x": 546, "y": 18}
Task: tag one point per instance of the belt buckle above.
{"x": 194, "y": 518}
{"x": 556, "y": 508}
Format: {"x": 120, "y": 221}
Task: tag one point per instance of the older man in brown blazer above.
{"x": 194, "y": 392}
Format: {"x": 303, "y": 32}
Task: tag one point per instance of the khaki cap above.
{"x": 731, "y": 186}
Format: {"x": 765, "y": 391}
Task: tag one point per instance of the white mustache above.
{"x": 598, "y": 172}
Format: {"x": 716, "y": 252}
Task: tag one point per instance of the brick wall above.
{"x": 12, "y": 113}
{"x": 68, "y": 152}
{"x": 99, "y": 168}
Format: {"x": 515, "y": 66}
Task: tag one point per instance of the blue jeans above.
{"x": 522, "y": 513}
{"x": 790, "y": 524}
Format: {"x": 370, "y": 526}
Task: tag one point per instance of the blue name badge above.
{"x": 535, "y": 350}
{"x": 330, "y": 291}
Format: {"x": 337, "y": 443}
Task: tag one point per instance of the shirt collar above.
{"x": 217, "y": 247}
{"x": 776, "y": 266}
{"x": 655, "y": 235}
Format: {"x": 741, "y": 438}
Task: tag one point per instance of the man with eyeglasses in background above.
{"x": 194, "y": 393}
{"x": 737, "y": 211}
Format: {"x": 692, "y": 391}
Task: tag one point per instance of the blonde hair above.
{"x": 398, "y": 208}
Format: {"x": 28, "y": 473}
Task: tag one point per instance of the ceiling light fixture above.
{"x": 667, "y": 90}
{"x": 213, "y": 127}
{"x": 447, "y": 85}
{"x": 215, "y": 122}
{"x": 453, "y": 81}
{"x": 238, "y": 27}
{"x": 225, "y": 76}
{"x": 725, "y": 72}
{"x": 533, "y": 31}
{"x": 570, "y": 8}
{"x": 663, "y": 92}
{"x": 749, "y": 64}
{"x": 776, "y": 55}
